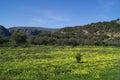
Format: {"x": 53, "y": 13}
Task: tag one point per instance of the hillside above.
{"x": 100, "y": 33}
{"x": 4, "y": 31}
{"x": 32, "y": 31}
{"x": 95, "y": 29}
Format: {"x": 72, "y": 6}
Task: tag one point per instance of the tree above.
{"x": 18, "y": 37}
{"x": 3, "y": 40}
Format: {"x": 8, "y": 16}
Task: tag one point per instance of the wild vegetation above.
{"x": 99, "y": 34}
{"x": 60, "y": 63}
{"x": 71, "y": 53}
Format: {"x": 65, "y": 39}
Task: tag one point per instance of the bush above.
{"x": 78, "y": 58}
{"x": 18, "y": 37}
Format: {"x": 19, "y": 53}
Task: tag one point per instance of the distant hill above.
{"x": 95, "y": 33}
{"x": 107, "y": 28}
{"x": 99, "y": 33}
{"x": 32, "y": 31}
{"x": 4, "y": 32}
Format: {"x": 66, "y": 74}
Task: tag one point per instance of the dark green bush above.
{"x": 78, "y": 58}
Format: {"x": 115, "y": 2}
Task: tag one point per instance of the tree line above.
{"x": 100, "y": 34}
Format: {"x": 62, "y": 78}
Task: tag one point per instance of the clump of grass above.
{"x": 78, "y": 57}
{"x": 4, "y": 77}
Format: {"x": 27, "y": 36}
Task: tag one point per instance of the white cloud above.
{"x": 39, "y": 20}
{"x": 55, "y": 16}
{"x": 46, "y": 18}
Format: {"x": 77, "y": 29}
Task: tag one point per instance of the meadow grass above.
{"x": 59, "y": 63}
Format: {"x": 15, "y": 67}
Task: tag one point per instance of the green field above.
{"x": 59, "y": 63}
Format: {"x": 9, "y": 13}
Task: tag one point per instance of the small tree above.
{"x": 1, "y": 40}
{"x": 18, "y": 37}
{"x": 78, "y": 58}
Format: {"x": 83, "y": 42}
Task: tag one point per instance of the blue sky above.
{"x": 57, "y": 13}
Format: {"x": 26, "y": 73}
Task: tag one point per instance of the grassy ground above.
{"x": 59, "y": 63}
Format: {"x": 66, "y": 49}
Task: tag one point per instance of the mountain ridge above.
{"x": 99, "y": 33}
{"x": 32, "y": 31}
{"x": 93, "y": 28}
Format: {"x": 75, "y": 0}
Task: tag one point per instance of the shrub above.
{"x": 18, "y": 37}
{"x": 78, "y": 58}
